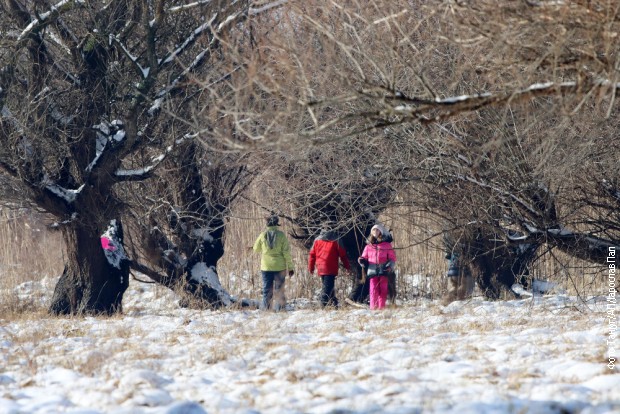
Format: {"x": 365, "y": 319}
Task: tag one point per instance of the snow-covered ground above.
{"x": 538, "y": 355}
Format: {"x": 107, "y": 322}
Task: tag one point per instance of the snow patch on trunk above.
{"x": 206, "y": 275}
{"x": 203, "y": 233}
{"x": 112, "y": 245}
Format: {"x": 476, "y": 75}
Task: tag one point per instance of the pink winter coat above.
{"x": 379, "y": 253}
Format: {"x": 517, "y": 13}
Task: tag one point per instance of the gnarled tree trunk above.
{"x": 94, "y": 278}
{"x": 495, "y": 264}
{"x": 186, "y": 240}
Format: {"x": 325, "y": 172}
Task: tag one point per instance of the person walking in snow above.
{"x": 378, "y": 258}
{"x": 275, "y": 262}
{"x": 324, "y": 256}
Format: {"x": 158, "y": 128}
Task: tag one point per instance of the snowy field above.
{"x": 538, "y": 355}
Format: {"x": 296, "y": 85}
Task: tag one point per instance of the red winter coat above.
{"x": 324, "y": 254}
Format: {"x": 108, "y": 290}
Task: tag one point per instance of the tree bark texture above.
{"x": 90, "y": 284}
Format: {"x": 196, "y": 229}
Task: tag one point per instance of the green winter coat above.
{"x": 275, "y": 256}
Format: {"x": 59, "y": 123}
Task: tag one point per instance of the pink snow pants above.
{"x": 378, "y": 292}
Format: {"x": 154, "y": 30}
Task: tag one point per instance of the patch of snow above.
{"x": 57, "y": 224}
{"x": 141, "y": 171}
{"x": 538, "y": 86}
{"x": 206, "y": 275}
{"x": 68, "y": 195}
{"x": 225, "y": 22}
{"x": 420, "y": 284}
{"x": 462, "y": 98}
{"x": 560, "y": 232}
{"x": 543, "y": 286}
{"x": 134, "y": 173}
{"x": 112, "y": 246}
{"x": 118, "y": 136}
{"x": 190, "y": 39}
{"x": 475, "y": 356}
{"x": 258, "y": 10}
{"x": 203, "y": 233}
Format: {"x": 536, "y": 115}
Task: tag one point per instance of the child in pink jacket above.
{"x": 379, "y": 259}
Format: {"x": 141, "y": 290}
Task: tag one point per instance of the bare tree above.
{"x": 179, "y": 226}
{"x": 93, "y": 97}
{"x": 338, "y": 185}
{"x": 492, "y": 108}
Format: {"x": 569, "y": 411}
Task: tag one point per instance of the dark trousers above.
{"x": 273, "y": 289}
{"x": 391, "y": 286}
{"x": 359, "y": 292}
{"x": 328, "y": 295}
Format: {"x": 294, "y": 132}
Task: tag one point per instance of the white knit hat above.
{"x": 382, "y": 229}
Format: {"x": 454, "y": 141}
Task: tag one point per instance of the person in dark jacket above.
{"x": 324, "y": 256}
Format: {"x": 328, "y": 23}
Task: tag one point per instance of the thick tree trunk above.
{"x": 202, "y": 288}
{"x": 90, "y": 283}
{"x": 495, "y": 264}
{"x": 354, "y": 243}
{"x": 501, "y": 266}
{"x": 190, "y": 249}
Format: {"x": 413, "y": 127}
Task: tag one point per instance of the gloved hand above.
{"x": 291, "y": 273}
{"x": 362, "y": 261}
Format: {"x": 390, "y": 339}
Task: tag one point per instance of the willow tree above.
{"x": 92, "y": 95}
{"x": 503, "y": 113}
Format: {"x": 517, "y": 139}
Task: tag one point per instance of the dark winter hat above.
{"x": 273, "y": 220}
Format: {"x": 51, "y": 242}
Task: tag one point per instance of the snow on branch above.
{"x": 56, "y": 225}
{"x": 415, "y": 106}
{"x": 139, "y": 173}
{"x": 398, "y": 108}
{"x": 268, "y": 6}
{"x": 144, "y": 72}
{"x": 107, "y": 132}
{"x": 66, "y": 194}
{"x": 143, "y": 173}
{"x": 190, "y": 40}
{"x": 516, "y": 237}
{"x": 188, "y": 6}
{"x": 253, "y": 11}
{"x": 161, "y": 95}
{"x": 46, "y": 18}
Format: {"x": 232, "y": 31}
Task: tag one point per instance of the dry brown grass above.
{"x": 239, "y": 269}
{"x": 28, "y": 253}
{"x": 418, "y": 249}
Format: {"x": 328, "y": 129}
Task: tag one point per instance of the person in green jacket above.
{"x": 275, "y": 261}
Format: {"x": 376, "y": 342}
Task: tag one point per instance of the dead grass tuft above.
{"x": 28, "y": 253}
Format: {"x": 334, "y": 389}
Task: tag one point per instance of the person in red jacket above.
{"x": 324, "y": 256}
